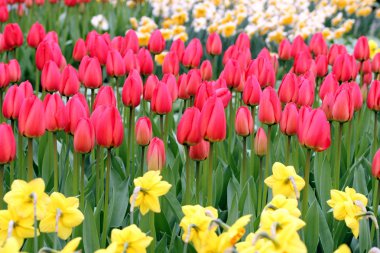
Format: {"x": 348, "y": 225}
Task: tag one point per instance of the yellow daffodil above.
{"x": 159, "y": 58}
{"x": 373, "y": 47}
{"x": 182, "y": 36}
{"x": 167, "y": 33}
{"x": 134, "y": 22}
{"x": 285, "y": 181}
{"x": 364, "y": 12}
{"x": 280, "y": 201}
{"x": 377, "y": 13}
{"x": 149, "y": 187}
{"x": 16, "y": 226}
{"x": 130, "y": 240}
{"x": 143, "y": 38}
{"x": 233, "y": 234}
{"x": 110, "y": 249}
{"x": 71, "y": 246}
{"x": 10, "y": 246}
{"x": 64, "y": 211}
{"x": 23, "y": 196}
{"x": 280, "y": 218}
{"x": 343, "y": 249}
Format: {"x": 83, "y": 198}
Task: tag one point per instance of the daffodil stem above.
{"x": 260, "y": 185}
{"x": 289, "y": 138}
{"x": 375, "y": 206}
{"x": 337, "y": 160}
{"x": 209, "y": 178}
{"x": 55, "y": 162}
{"x": 20, "y": 156}
{"x": 106, "y": 197}
{"x": 152, "y": 246}
{"x": 198, "y": 182}
{"x": 306, "y": 177}
{"x": 142, "y": 160}
{"x": 188, "y": 179}
{"x": 35, "y": 222}
{"x": 82, "y": 194}
{"x": 30, "y": 159}
{"x": 253, "y": 111}
{"x": 243, "y": 174}
{"x": 267, "y": 164}
{"x": 129, "y": 144}
{"x": 349, "y": 136}
{"x": 1, "y": 186}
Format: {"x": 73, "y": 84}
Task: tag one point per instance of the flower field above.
{"x": 189, "y": 126}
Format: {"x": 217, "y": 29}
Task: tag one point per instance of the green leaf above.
{"x": 312, "y": 228}
{"x": 174, "y": 204}
{"x": 324, "y": 232}
{"x": 90, "y": 231}
{"x": 364, "y": 236}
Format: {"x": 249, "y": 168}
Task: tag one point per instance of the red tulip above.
{"x": 313, "y": 129}
{"x": 4, "y": 13}
{"x": 375, "y": 165}
{"x": 306, "y": 93}
{"x": 132, "y": 91}
{"x": 171, "y": 82}
{"x": 48, "y": 50}
{"x": 288, "y": 90}
{"x": 356, "y": 95}
{"x": 118, "y": 44}
{"x": 14, "y": 71}
{"x": 376, "y": 64}
{"x": 373, "y": 100}
{"x": 321, "y": 65}
{"x": 343, "y": 108}
{"x": 302, "y": 63}
{"x": 289, "y": 119}
{"x": 69, "y": 85}
{"x": 263, "y": 70}
{"x": 30, "y": 120}
{"x": 50, "y": 77}
{"x": 171, "y": 64}
{"x": 243, "y": 41}
{"x": 109, "y": 130}
{"x": 179, "y": 48}
{"x": 344, "y": 68}
{"x": 156, "y": 156}
{"x": 105, "y": 97}
{"x": 188, "y": 132}
{"x": 76, "y": 108}
{"x": 143, "y": 131}
{"x": 365, "y": 66}
{"x": 4, "y": 75}
{"x": 131, "y": 41}
{"x": 14, "y": 98}
{"x": 232, "y": 52}
{"x": 298, "y": 46}
{"x": 193, "y": 54}
{"x": 329, "y": 84}
{"x": 131, "y": 61}
{"x": 52, "y": 35}
{"x": 7, "y": 143}
{"x": 150, "y": 86}
{"x": 55, "y": 113}
{"x": 90, "y": 73}
{"x": 214, "y": 44}
{"x": 243, "y": 122}
{"x": 284, "y": 50}
{"x": 80, "y": 50}
{"x": 156, "y": 42}
{"x": 161, "y": 102}
{"x": 2, "y": 43}
{"x": 145, "y": 61}
{"x": 327, "y": 105}
{"x": 199, "y": 152}
{"x": 182, "y": 87}
{"x": 225, "y": 95}
{"x": 84, "y": 136}
{"x": 213, "y": 120}
{"x": 99, "y": 48}
{"x": 334, "y": 51}
{"x": 35, "y": 35}
{"x": 206, "y": 70}
{"x": 252, "y": 91}
{"x": 318, "y": 45}
{"x": 115, "y": 64}
{"x": 233, "y": 74}
{"x": 70, "y": 3}
{"x": 194, "y": 80}
{"x": 367, "y": 78}
{"x": 361, "y": 50}
{"x": 13, "y": 36}
{"x": 270, "y": 107}
{"x": 261, "y": 143}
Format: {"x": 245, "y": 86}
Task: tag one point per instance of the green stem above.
{"x": 106, "y": 197}
{"x": 37, "y": 84}
{"x": 129, "y": 144}
{"x": 187, "y": 198}
{"x": 374, "y": 143}
{"x": 375, "y": 205}
{"x": 82, "y": 193}
{"x": 243, "y": 173}
{"x": 214, "y": 66}
{"x": 306, "y": 189}
{"x": 142, "y": 160}
{"x": 76, "y": 174}
{"x": 55, "y": 162}
{"x": 2, "y": 205}
{"x": 349, "y": 144}
{"x": 210, "y": 172}
{"x": 152, "y": 227}
{"x": 92, "y": 99}
{"x": 198, "y": 182}
{"x": 337, "y": 160}
{"x": 162, "y": 125}
{"x": 267, "y": 164}
{"x": 20, "y": 156}
{"x": 30, "y": 159}
{"x": 253, "y": 111}
{"x": 260, "y": 185}
{"x": 98, "y": 168}
{"x": 117, "y": 92}
{"x": 289, "y": 138}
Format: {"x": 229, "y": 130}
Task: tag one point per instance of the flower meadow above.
{"x": 189, "y": 126}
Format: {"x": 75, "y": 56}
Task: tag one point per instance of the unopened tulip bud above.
{"x": 150, "y": 86}
{"x": 261, "y": 143}
{"x": 115, "y": 64}
{"x": 194, "y": 80}
{"x": 50, "y": 77}
{"x": 343, "y": 109}
{"x": 225, "y": 95}
{"x": 76, "y": 108}
{"x": 179, "y": 48}
{"x": 288, "y": 90}
{"x": 327, "y": 105}
{"x": 132, "y": 91}
{"x": 376, "y": 165}
{"x": 193, "y": 54}
{"x": 206, "y": 70}
{"x": 289, "y": 119}
{"x": 131, "y": 41}
{"x": 171, "y": 64}
{"x": 361, "y": 50}
{"x": 55, "y": 113}
{"x": 252, "y": 91}
{"x": 284, "y": 50}
{"x": 270, "y": 107}
{"x": 13, "y": 36}
{"x": 84, "y": 136}
{"x": 143, "y": 131}
{"x": 69, "y": 85}
{"x": 214, "y": 44}
{"x": 30, "y": 120}
{"x": 334, "y": 51}
{"x": 200, "y": 151}
{"x": 14, "y": 98}
{"x": 156, "y": 156}
{"x": 145, "y": 61}
{"x": 14, "y": 71}
{"x": 243, "y": 122}
{"x": 109, "y": 130}
{"x": 373, "y": 101}
{"x": 243, "y": 41}
{"x": 90, "y": 73}
{"x": 213, "y": 120}
{"x": 80, "y": 50}
{"x": 8, "y": 144}
{"x": 35, "y": 35}
{"x": 161, "y": 102}
{"x": 156, "y": 42}
{"x": 321, "y": 65}
{"x": 188, "y": 132}
{"x": 298, "y": 46}
{"x": 318, "y": 45}
{"x": 105, "y": 96}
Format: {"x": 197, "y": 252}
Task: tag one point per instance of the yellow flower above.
{"x": 167, "y": 23}
{"x": 133, "y": 22}
{"x": 10, "y": 246}
{"x": 159, "y": 58}
{"x": 287, "y": 20}
{"x": 200, "y": 11}
{"x": 234, "y": 233}
{"x": 22, "y": 196}
{"x": 280, "y": 201}
{"x": 19, "y": 227}
{"x": 350, "y": 9}
{"x": 130, "y": 240}
{"x": 372, "y": 47}
{"x": 150, "y": 188}
{"x": 228, "y": 29}
{"x": 364, "y": 12}
{"x": 167, "y": 33}
{"x": 343, "y": 249}
{"x": 182, "y": 36}
{"x": 180, "y": 18}
{"x": 110, "y": 249}
{"x": 340, "y": 3}
{"x": 377, "y": 14}
{"x": 71, "y": 246}
{"x": 285, "y": 181}
{"x": 280, "y": 218}
{"x": 66, "y": 211}
{"x": 143, "y": 38}
{"x": 339, "y": 33}
{"x": 335, "y": 21}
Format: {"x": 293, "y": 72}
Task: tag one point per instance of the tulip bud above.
{"x": 55, "y": 113}
{"x": 143, "y": 131}
{"x": 193, "y": 54}
{"x": 13, "y": 36}
{"x": 29, "y": 121}
{"x": 376, "y": 64}
{"x": 14, "y": 71}
{"x": 35, "y": 35}
{"x": 356, "y": 95}
{"x": 76, "y": 108}
{"x": 343, "y": 108}
{"x": 50, "y": 77}
{"x": 8, "y": 144}
{"x": 171, "y": 82}
{"x": 4, "y": 75}
{"x": 200, "y": 151}
{"x": 179, "y": 48}
{"x": 145, "y": 61}
{"x": 105, "y": 97}
{"x": 261, "y": 143}
{"x": 375, "y": 165}
{"x": 206, "y": 70}
{"x": 329, "y": 84}
{"x": 109, "y": 130}
{"x": 2, "y": 43}
{"x": 4, "y": 13}
{"x": 53, "y": 36}
{"x": 161, "y": 102}
{"x": 288, "y": 90}
{"x": 150, "y": 86}
{"x": 306, "y": 93}
{"x": 131, "y": 61}
{"x": 48, "y": 50}
{"x": 194, "y": 80}
{"x": 171, "y": 64}
{"x": 344, "y": 68}
{"x": 156, "y": 156}
{"x": 14, "y": 98}
{"x": 302, "y": 63}
{"x": 233, "y": 74}
{"x": 156, "y": 42}
{"x": 321, "y": 65}
{"x": 334, "y": 51}
{"x": 252, "y": 91}
{"x": 131, "y": 41}
{"x": 214, "y": 44}
{"x": 80, "y": 50}
{"x": 298, "y": 46}
{"x": 365, "y": 66}
{"x": 243, "y": 122}
{"x": 90, "y": 73}
{"x": 99, "y": 49}
{"x": 243, "y": 41}
{"x": 232, "y": 52}
{"x": 213, "y": 120}
{"x": 289, "y": 119}
{"x": 270, "y": 107}
{"x": 263, "y": 70}
{"x": 225, "y": 95}
{"x": 318, "y": 45}
{"x": 205, "y": 91}
{"x": 132, "y": 91}
{"x": 313, "y": 129}
{"x": 327, "y": 105}
{"x": 117, "y": 43}
{"x": 84, "y": 136}
{"x": 361, "y": 50}
{"x": 115, "y": 64}
{"x": 188, "y": 132}
{"x": 284, "y": 50}
{"x": 182, "y": 87}
{"x": 69, "y": 85}
{"x": 373, "y": 101}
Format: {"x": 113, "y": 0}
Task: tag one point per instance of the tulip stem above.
{"x": 37, "y": 84}
{"x": 253, "y": 111}
{"x": 129, "y": 146}
{"x": 349, "y": 137}
{"x": 289, "y": 138}
{"x": 142, "y": 160}
{"x": 162, "y": 125}
{"x": 99, "y": 173}
{"x": 267, "y": 166}
{"x": 243, "y": 174}
{"x": 20, "y": 155}
{"x": 2, "y": 186}
{"x": 210, "y": 170}
{"x": 306, "y": 176}
{"x": 337, "y": 160}
{"x": 260, "y": 185}
{"x": 106, "y": 196}
{"x": 76, "y": 174}
{"x": 30, "y": 159}
{"x": 188, "y": 179}
{"x": 55, "y": 165}
{"x": 375, "y": 205}
{"x": 374, "y": 143}
{"x": 117, "y": 92}
{"x": 198, "y": 182}
{"x": 152, "y": 246}
{"x": 92, "y": 99}
{"x": 82, "y": 194}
